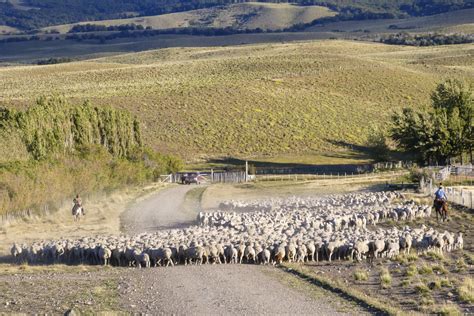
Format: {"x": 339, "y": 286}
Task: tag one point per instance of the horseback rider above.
{"x": 440, "y": 195}
{"x": 77, "y": 201}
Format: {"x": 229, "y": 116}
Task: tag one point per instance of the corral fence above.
{"x": 210, "y": 177}
{"x": 458, "y": 195}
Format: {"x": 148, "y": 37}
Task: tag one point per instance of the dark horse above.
{"x": 441, "y": 208}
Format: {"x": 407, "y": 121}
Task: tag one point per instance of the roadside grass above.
{"x": 54, "y": 268}
{"x": 337, "y": 286}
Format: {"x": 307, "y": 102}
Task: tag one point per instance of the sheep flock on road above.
{"x": 296, "y": 229}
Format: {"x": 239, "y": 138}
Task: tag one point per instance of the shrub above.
{"x": 361, "y": 276}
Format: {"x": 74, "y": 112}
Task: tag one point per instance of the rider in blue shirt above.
{"x": 440, "y": 194}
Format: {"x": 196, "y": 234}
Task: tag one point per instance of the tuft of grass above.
{"x": 361, "y": 275}
{"x": 427, "y": 300}
{"x": 434, "y": 255}
{"x": 425, "y": 269}
{"x": 446, "y": 282}
{"x": 466, "y": 290}
{"x": 435, "y": 285}
{"x": 460, "y": 265}
{"x": 440, "y": 268}
{"x": 385, "y": 278}
{"x": 401, "y": 259}
{"x": 411, "y": 270}
{"x": 422, "y": 289}
{"x": 412, "y": 257}
{"x": 405, "y": 283}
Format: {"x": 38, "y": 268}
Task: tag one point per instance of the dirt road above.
{"x": 207, "y": 289}
{"x": 168, "y": 208}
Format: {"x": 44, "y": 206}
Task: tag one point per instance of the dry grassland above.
{"x": 266, "y": 99}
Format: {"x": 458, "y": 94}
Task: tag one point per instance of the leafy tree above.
{"x": 442, "y": 132}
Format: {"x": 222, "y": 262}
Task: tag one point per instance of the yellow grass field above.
{"x": 249, "y": 15}
{"x": 261, "y": 100}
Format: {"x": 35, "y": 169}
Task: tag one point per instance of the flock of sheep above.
{"x": 342, "y": 227}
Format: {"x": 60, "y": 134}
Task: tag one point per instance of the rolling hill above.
{"x": 250, "y": 15}
{"x": 252, "y": 100}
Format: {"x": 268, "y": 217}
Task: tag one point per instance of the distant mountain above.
{"x": 33, "y": 14}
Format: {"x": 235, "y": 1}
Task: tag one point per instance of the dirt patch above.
{"x": 176, "y": 206}
{"x": 56, "y": 292}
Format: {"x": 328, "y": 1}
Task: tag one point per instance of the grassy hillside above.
{"x": 249, "y": 15}
{"x": 256, "y": 100}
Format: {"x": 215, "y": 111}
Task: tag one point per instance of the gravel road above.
{"x": 217, "y": 290}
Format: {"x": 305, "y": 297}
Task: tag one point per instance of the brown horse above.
{"x": 441, "y": 208}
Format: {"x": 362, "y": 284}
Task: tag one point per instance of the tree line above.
{"x": 427, "y": 39}
{"x": 53, "y": 150}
